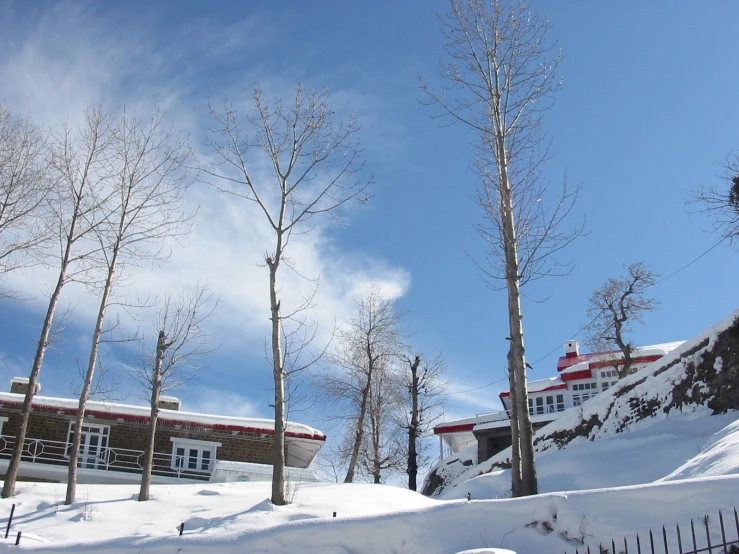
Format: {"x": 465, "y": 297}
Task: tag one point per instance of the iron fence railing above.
{"x": 706, "y": 535}
{"x": 107, "y": 458}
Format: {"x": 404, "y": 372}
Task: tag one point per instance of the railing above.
{"x": 104, "y": 459}
{"x": 505, "y": 415}
{"x": 719, "y": 539}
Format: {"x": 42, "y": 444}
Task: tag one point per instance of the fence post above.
{"x": 708, "y": 535}
{"x": 651, "y": 541}
{"x": 679, "y": 539}
{"x": 723, "y": 533}
{"x": 182, "y": 528}
{"x": 18, "y": 538}
{"x": 692, "y": 532}
{"x": 664, "y": 539}
{"x": 10, "y": 520}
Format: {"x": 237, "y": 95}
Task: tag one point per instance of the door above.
{"x": 93, "y": 445}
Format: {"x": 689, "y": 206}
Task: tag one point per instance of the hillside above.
{"x": 681, "y": 394}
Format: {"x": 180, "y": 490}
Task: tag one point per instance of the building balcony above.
{"x": 48, "y": 460}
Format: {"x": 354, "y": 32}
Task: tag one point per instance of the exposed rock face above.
{"x": 447, "y": 470}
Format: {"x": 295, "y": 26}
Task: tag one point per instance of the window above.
{"x": 2, "y": 420}
{"x": 560, "y": 402}
{"x": 93, "y": 445}
{"x": 540, "y": 405}
{"x": 576, "y": 400}
{"x": 550, "y": 404}
{"x": 193, "y": 455}
{"x": 531, "y": 406}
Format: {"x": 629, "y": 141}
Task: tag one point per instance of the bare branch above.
{"x": 615, "y": 307}
{"x": 294, "y": 162}
{"x": 722, "y": 204}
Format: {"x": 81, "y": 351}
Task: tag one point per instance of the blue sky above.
{"x": 647, "y": 110}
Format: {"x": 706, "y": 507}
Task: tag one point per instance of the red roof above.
{"x": 446, "y": 429}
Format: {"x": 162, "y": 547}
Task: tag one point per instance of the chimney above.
{"x": 19, "y": 385}
{"x": 572, "y": 349}
{"x": 169, "y": 403}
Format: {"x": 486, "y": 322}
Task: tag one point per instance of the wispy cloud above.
{"x": 70, "y": 56}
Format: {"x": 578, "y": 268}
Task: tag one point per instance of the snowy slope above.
{"x": 698, "y": 379}
{"x": 237, "y": 518}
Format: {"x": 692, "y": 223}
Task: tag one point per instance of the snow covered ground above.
{"x": 625, "y": 476}
{"x": 237, "y": 517}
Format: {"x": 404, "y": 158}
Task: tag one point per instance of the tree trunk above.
{"x": 11, "y": 475}
{"x": 626, "y": 349}
{"x": 359, "y": 434}
{"x": 413, "y": 429}
{"x": 87, "y": 385}
{"x": 156, "y": 389}
{"x": 515, "y": 437}
{"x": 516, "y": 352}
{"x": 376, "y": 450}
{"x": 278, "y": 459}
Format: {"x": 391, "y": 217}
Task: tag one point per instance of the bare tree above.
{"x": 615, "y": 307}
{"x": 382, "y": 449}
{"x": 722, "y": 203}
{"x": 182, "y": 341}
{"x": 78, "y": 159}
{"x": 422, "y": 387}
{"x": 24, "y": 189}
{"x": 147, "y": 180}
{"x": 365, "y": 345}
{"x": 500, "y": 71}
{"x": 314, "y": 170}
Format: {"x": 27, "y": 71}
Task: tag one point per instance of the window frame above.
{"x": 181, "y": 463}
{"x": 101, "y": 455}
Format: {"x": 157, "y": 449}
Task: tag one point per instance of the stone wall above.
{"x": 236, "y": 447}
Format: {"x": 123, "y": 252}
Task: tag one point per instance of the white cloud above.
{"x": 211, "y": 401}
{"x": 70, "y": 57}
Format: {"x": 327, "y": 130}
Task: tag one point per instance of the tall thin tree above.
{"x": 421, "y": 386}
{"x": 182, "y": 342}
{"x": 147, "y": 180}
{"x": 500, "y": 71}
{"x": 314, "y": 169}
{"x": 78, "y": 160}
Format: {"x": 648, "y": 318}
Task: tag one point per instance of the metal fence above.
{"x": 707, "y": 534}
{"x": 42, "y": 451}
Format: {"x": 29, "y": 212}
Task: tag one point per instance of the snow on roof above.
{"x": 457, "y": 422}
{"x": 543, "y": 384}
{"x": 639, "y": 352}
{"x": 169, "y": 399}
{"x": 112, "y": 409}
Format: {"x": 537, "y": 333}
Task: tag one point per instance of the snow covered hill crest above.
{"x": 699, "y": 379}
{"x": 703, "y": 372}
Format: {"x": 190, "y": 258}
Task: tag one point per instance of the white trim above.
{"x": 90, "y": 456}
{"x": 182, "y": 461}
{"x": 194, "y": 442}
